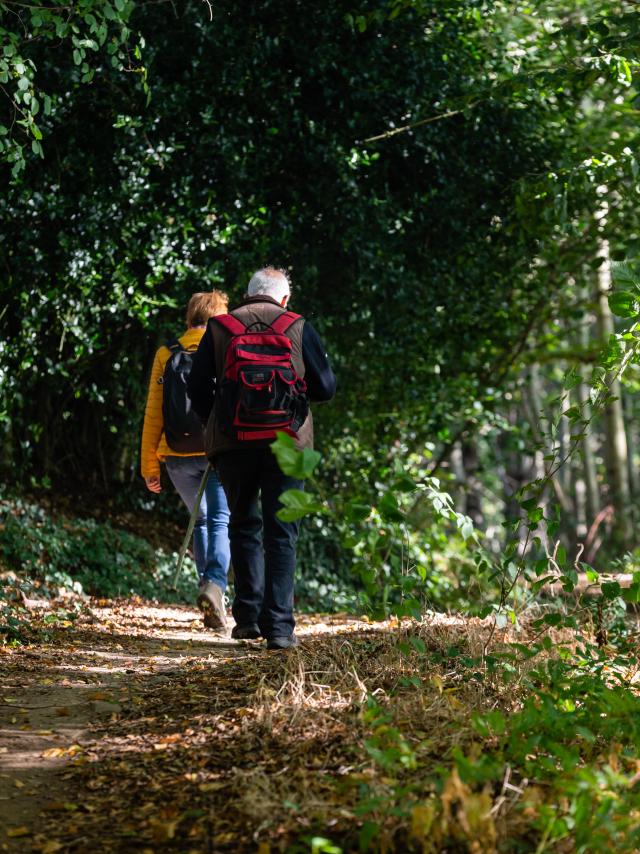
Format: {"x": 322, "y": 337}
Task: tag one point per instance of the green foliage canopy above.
{"x": 407, "y": 162}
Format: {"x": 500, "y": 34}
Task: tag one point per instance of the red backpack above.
{"x": 261, "y": 393}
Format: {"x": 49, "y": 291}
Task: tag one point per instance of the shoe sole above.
{"x": 250, "y": 636}
{"x": 211, "y": 618}
{"x": 203, "y": 602}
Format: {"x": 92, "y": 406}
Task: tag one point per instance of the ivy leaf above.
{"x": 623, "y": 274}
{"x": 572, "y": 379}
{"x": 356, "y": 512}
{"x": 389, "y": 509}
{"x": 292, "y": 461}
{"x": 632, "y": 593}
{"x": 610, "y": 589}
{"x": 297, "y": 504}
{"x": 406, "y": 484}
{"x": 624, "y": 304}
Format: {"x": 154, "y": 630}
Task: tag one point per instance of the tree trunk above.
{"x": 615, "y": 436}
{"x": 535, "y": 408}
{"x": 457, "y": 469}
{"x": 587, "y": 443}
{"x": 630, "y": 421}
{"x": 518, "y": 469}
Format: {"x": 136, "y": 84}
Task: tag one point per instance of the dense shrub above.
{"x": 84, "y": 556}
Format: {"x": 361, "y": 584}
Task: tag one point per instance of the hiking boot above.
{"x": 287, "y": 642}
{"x": 211, "y": 602}
{"x": 250, "y": 632}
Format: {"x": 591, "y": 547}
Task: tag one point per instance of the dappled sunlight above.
{"x": 221, "y": 744}
{"x": 141, "y": 693}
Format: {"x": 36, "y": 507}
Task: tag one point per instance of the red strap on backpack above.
{"x": 279, "y": 325}
{"x": 230, "y": 323}
{"x": 284, "y": 321}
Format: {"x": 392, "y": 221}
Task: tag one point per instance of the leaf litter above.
{"x": 218, "y": 746}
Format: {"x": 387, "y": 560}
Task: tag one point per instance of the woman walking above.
{"x": 172, "y": 434}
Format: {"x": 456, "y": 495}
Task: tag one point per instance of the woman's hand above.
{"x": 153, "y": 484}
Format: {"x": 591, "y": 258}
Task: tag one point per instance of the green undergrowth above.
{"x": 550, "y": 764}
{"x": 530, "y": 748}
{"x": 43, "y": 555}
{"x": 46, "y": 553}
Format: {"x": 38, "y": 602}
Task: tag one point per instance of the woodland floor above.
{"x": 134, "y": 729}
{"x": 131, "y": 728}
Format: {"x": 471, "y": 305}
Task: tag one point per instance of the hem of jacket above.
{"x": 161, "y": 458}
{"x": 245, "y": 446}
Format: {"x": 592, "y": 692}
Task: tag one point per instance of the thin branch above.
{"x": 427, "y": 121}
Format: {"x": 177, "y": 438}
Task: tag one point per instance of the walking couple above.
{"x": 245, "y": 374}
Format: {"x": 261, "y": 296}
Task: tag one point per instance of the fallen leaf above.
{"x": 54, "y": 806}
{"x": 163, "y": 831}
{"x": 422, "y": 819}
{"x": 53, "y": 753}
{"x": 18, "y": 831}
{"x": 437, "y": 681}
{"x": 171, "y": 739}
{"x": 211, "y": 787}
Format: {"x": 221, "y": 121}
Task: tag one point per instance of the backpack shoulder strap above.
{"x": 173, "y": 344}
{"x": 284, "y": 321}
{"x": 230, "y": 323}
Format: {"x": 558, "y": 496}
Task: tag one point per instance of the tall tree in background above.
{"x": 615, "y": 436}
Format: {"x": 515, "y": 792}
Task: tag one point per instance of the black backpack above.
{"x": 182, "y": 428}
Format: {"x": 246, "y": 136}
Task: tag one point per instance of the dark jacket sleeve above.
{"x": 201, "y": 382}
{"x": 320, "y": 379}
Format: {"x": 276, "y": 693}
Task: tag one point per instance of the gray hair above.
{"x": 270, "y": 282}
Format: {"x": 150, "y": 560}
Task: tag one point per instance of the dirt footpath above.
{"x": 121, "y": 730}
{"x": 55, "y": 700}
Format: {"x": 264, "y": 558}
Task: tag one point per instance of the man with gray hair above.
{"x": 255, "y": 373}
{"x": 271, "y": 283}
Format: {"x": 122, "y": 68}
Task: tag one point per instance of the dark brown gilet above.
{"x": 253, "y": 310}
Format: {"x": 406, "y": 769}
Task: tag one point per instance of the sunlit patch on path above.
{"x": 133, "y": 728}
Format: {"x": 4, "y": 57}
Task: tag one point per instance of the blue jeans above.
{"x": 210, "y": 534}
{"x": 263, "y": 547}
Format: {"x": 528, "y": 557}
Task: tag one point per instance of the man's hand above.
{"x": 153, "y": 484}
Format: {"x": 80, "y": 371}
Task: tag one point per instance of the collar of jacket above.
{"x": 260, "y": 298}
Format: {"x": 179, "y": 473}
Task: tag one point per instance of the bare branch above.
{"x": 427, "y": 121}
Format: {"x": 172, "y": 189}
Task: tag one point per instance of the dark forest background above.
{"x": 449, "y": 184}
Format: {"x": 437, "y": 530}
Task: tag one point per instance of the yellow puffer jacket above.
{"x": 154, "y": 445}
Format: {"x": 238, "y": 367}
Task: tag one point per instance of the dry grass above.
{"x": 261, "y": 752}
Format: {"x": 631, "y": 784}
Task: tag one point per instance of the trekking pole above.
{"x": 190, "y": 527}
